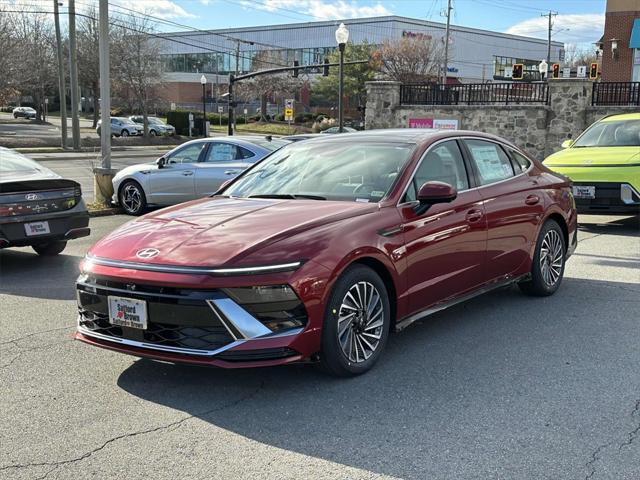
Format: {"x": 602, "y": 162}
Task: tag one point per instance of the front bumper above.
{"x": 610, "y": 198}
{"x": 184, "y": 325}
{"x": 66, "y": 225}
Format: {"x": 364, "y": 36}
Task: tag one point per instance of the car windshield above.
{"x": 624, "y": 133}
{"x": 154, "y": 120}
{"x": 337, "y": 170}
{"x": 271, "y": 145}
{"x": 14, "y": 162}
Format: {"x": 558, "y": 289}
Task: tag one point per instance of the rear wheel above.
{"x": 50, "y": 248}
{"x": 152, "y": 133}
{"x": 356, "y": 323}
{"x": 124, "y": 133}
{"x": 132, "y": 198}
{"x": 547, "y": 268}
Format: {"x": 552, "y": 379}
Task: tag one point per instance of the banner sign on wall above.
{"x": 435, "y": 123}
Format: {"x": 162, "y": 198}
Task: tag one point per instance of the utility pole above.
{"x": 446, "y": 43}
{"x": 61, "y": 83}
{"x": 73, "y": 74}
{"x": 550, "y": 15}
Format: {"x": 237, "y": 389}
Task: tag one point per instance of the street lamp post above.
{"x": 203, "y": 82}
{"x": 543, "y": 67}
{"x": 342, "y": 36}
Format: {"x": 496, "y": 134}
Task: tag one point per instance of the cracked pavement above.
{"x": 503, "y": 386}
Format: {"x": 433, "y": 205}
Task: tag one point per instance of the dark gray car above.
{"x": 38, "y": 207}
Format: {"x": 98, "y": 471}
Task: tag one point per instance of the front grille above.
{"x": 256, "y": 355}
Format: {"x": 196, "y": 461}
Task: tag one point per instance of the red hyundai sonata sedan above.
{"x": 322, "y": 249}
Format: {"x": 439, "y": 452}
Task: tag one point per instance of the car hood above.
{"x": 221, "y": 231}
{"x": 594, "y": 156}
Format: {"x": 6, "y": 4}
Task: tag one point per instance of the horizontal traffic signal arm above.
{"x": 289, "y": 69}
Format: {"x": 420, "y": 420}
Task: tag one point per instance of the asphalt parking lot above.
{"x": 501, "y": 387}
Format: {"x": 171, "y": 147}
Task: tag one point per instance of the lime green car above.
{"x": 604, "y": 165}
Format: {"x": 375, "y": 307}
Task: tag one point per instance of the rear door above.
{"x": 446, "y": 246}
{"x": 514, "y": 205}
{"x": 223, "y": 161}
{"x": 175, "y": 182}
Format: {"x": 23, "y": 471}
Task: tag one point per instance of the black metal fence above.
{"x": 616, "y": 93}
{"x": 474, "y": 93}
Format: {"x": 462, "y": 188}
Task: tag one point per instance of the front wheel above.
{"x": 356, "y": 323}
{"x": 152, "y": 133}
{"x": 124, "y": 133}
{"x": 50, "y": 248}
{"x": 132, "y": 198}
{"x": 547, "y": 268}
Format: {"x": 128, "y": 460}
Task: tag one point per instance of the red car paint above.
{"x": 484, "y": 236}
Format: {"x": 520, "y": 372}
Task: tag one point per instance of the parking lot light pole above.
{"x": 342, "y": 37}
{"x": 203, "y": 82}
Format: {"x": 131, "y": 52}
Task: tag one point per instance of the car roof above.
{"x": 240, "y": 139}
{"x": 617, "y": 117}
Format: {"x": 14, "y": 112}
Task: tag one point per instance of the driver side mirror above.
{"x": 161, "y": 162}
{"x": 567, "y": 143}
{"x": 434, "y": 192}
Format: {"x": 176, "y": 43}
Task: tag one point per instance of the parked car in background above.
{"x": 604, "y": 165}
{"x": 24, "y": 112}
{"x": 156, "y": 125}
{"x": 194, "y": 169}
{"x": 337, "y": 130}
{"x": 38, "y": 207}
{"x": 323, "y": 248}
{"x": 122, "y": 127}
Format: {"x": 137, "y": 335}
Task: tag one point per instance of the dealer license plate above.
{"x": 584, "y": 191}
{"x": 128, "y": 312}
{"x": 36, "y": 228}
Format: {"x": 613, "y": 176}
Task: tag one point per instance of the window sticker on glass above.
{"x": 489, "y": 164}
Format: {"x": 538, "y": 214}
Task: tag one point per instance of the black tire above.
{"x": 51, "y": 248}
{"x": 132, "y": 198}
{"x": 546, "y": 275}
{"x": 98, "y": 131}
{"x": 124, "y": 133}
{"x": 15, "y": 115}
{"x": 333, "y": 357}
{"x": 152, "y": 133}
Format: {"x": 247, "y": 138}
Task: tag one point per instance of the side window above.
{"x": 245, "y": 153}
{"x": 221, "y": 152}
{"x": 188, "y": 154}
{"x": 520, "y": 162}
{"x": 443, "y": 163}
{"x": 491, "y": 162}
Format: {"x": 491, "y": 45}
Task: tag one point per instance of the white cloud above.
{"x": 165, "y": 9}
{"x": 324, "y": 10}
{"x": 575, "y": 28}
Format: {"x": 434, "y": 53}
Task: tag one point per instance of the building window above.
{"x": 635, "y": 77}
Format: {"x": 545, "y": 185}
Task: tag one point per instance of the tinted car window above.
{"x": 491, "y": 162}
{"x": 221, "y": 152}
{"x": 15, "y": 162}
{"x": 245, "y": 153}
{"x": 188, "y": 154}
{"x": 443, "y": 163}
{"x": 520, "y": 162}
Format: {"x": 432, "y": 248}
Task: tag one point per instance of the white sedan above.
{"x": 194, "y": 169}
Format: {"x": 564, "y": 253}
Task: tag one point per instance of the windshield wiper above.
{"x": 288, "y": 196}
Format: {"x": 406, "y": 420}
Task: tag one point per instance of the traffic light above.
{"x": 325, "y": 69}
{"x": 295, "y": 68}
{"x": 518, "y": 71}
{"x": 593, "y": 71}
{"x": 555, "y": 70}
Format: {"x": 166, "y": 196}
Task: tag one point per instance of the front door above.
{"x": 446, "y": 246}
{"x": 175, "y": 181}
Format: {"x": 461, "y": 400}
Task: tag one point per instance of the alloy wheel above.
{"x": 551, "y": 257}
{"x": 131, "y": 198}
{"x": 360, "y": 322}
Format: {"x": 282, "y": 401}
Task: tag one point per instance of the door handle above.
{"x": 231, "y": 172}
{"x": 532, "y": 200}
{"x": 474, "y": 215}
{"x": 186, "y": 173}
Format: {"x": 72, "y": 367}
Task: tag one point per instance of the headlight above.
{"x": 276, "y": 306}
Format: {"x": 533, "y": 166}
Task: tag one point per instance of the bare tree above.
{"x": 410, "y": 59}
{"x": 8, "y": 58}
{"x": 270, "y": 86}
{"x": 576, "y": 55}
{"x": 36, "y": 75}
{"x": 88, "y": 56}
{"x": 136, "y": 68}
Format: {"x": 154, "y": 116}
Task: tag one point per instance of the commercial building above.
{"x": 620, "y": 43}
{"x": 475, "y": 55}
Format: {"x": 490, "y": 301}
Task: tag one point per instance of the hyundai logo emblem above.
{"x": 31, "y": 196}
{"x": 147, "y": 253}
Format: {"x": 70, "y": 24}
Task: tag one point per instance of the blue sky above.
{"x": 578, "y": 21}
